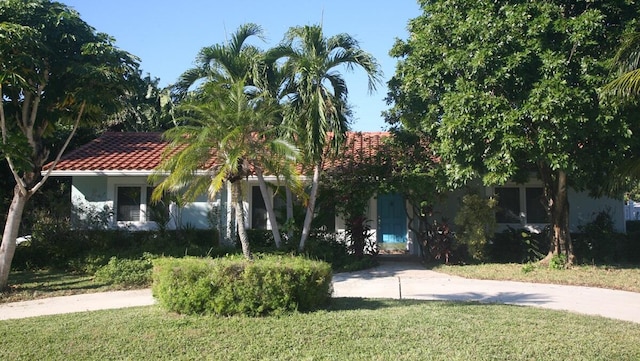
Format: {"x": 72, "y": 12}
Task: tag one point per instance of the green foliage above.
{"x": 558, "y": 262}
{"x": 598, "y": 242}
{"x": 476, "y": 224}
{"x": 54, "y": 244}
{"x": 528, "y": 267}
{"x": 126, "y": 272}
{"x": 231, "y": 285}
{"x": 348, "y": 188}
{"x": 518, "y": 245}
{"x": 502, "y": 89}
{"x": 328, "y": 247}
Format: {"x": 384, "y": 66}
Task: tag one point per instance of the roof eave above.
{"x": 80, "y": 173}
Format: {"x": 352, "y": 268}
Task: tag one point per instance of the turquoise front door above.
{"x": 392, "y": 219}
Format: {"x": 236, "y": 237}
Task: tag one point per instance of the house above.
{"x": 110, "y": 176}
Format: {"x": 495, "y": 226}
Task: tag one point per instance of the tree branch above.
{"x": 64, "y": 147}
{"x": 3, "y": 127}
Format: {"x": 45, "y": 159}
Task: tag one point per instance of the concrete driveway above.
{"x": 409, "y": 280}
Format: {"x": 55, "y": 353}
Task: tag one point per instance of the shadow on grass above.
{"x": 513, "y": 298}
{"x": 26, "y": 285}
{"x": 354, "y": 304}
{"x": 357, "y": 303}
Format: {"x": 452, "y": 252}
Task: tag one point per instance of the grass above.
{"x": 28, "y": 285}
{"x": 352, "y": 329}
{"x": 612, "y": 277}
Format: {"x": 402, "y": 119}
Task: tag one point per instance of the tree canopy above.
{"x": 506, "y": 88}
{"x": 55, "y": 71}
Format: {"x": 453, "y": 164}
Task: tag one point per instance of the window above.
{"x": 129, "y": 204}
{"x": 508, "y": 205}
{"x": 536, "y": 210}
{"x": 258, "y": 209}
{"x": 513, "y": 200}
{"x": 134, "y": 205}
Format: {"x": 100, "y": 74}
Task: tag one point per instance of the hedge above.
{"x": 233, "y": 285}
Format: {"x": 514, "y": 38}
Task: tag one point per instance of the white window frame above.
{"x": 522, "y": 195}
{"x": 139, "y": 182}
{"x": 143, "y": 203}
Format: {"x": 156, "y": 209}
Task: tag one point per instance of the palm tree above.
{"x": 316, "y": 94}
{"x": 625, "y": 87}
{"x": 231, "y": 63}
{"x": 225, "y": 63}
{"x": 627, "y": 62}
{"x": 227, "y": 136}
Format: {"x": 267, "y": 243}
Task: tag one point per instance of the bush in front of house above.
{"x": 56, "y": 245}
{"x": 126, "y": 272}
{"x": 518, "y": 246}
{"x": 476, "y": 224}
{"x": 235, "y": 286}
{"x": 598, "y": 242}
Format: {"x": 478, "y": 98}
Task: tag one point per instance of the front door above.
{"x": 392, "y": 220}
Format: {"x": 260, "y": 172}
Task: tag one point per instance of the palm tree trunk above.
{"x": 236, "y": 188}
{"x": 229, "y": 234}
{"x": 11, "y": 228}
{"x": 306, "y": 227}
{"x": 289, "y": 201}
{"x": 268, "y": 203}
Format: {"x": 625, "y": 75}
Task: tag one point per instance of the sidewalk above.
{"x": 399, "y": 279}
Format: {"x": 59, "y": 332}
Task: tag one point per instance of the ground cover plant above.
{"x": 351, "y": 329}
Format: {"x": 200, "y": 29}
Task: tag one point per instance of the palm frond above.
{"x": 625, "y": 86}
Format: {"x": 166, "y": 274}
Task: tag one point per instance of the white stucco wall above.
{"x": 98, "y": 194}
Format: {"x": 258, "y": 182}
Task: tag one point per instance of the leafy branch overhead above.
{"x": 56, "y": 72}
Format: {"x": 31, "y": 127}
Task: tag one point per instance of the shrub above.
{"x": 598, "y": 242}
{"x": 126, "y": 272}
{"x": 233, "y": 285}
{"x": 55, "y": 245}
{"x": 476, "y": 224}
{"x": 558, "y": 262}
{"x": 329, "y": 248}
{"x": 517, "y": 245}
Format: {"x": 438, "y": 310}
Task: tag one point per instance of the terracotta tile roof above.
{"x": 115, "y": 151}
{"x": 130, "y": 151}
{"x": 358, "y": 147}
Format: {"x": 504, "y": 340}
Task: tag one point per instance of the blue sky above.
{"x": 167, "y": 34}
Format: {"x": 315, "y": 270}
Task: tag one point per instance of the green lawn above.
{"x": 613, "y": 277}
{"x": 28, "y": 285}
{"x": 352, "y": 329}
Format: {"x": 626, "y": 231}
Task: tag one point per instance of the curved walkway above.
{"x": 392, "y": 279}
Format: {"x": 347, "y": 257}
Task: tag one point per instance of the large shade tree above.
{"x": 316, "y": 94}
{"x": 505, "y": 88}
{"x": 55, "y": 71}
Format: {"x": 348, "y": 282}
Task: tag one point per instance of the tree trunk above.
{"x": 11, "y": 229}
{"x": 268, "y": 203}
{"x": 229, "y": 234}
{"x": 306, "y": 227}
{"x": 558, "y": 206}
{"x": 239, "y": 209}
{"x": 290, "y": 220}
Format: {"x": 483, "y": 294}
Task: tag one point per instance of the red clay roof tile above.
{"x": 130, "y": 151}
